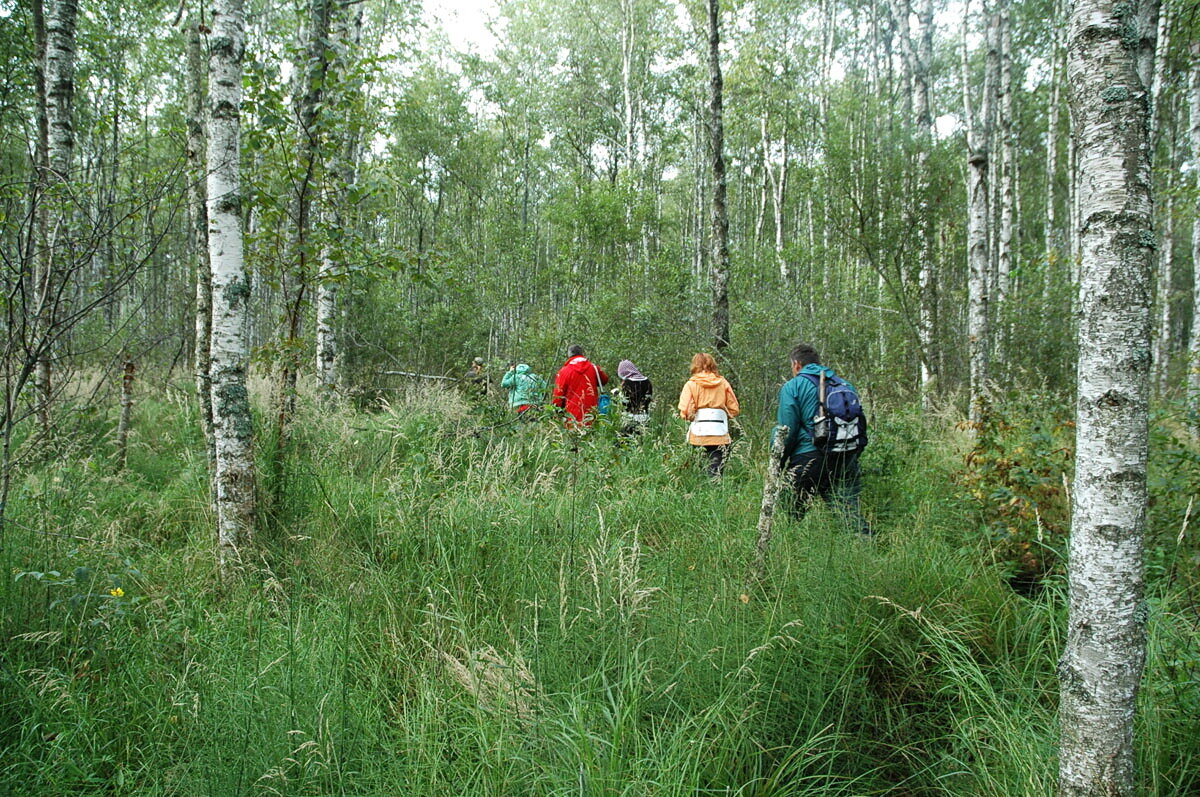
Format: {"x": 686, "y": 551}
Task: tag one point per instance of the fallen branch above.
{"x": 420, "y": 376}
{"x": 771, "y": 490}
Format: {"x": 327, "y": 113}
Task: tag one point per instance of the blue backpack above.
{"x": 840, "y": 425}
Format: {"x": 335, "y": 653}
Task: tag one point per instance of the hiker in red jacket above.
{"x": 577, "y": 388}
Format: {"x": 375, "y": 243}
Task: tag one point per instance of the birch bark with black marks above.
{"x": 198, "y": 231}
{"x": 772, "y": 486}
{"x": 917, "y": 52}
{"x": 233, "y": 428}
{"x": 978, "y": 262}
{"x": 1160, "y": 117}
{"x": 1110, "y": 52}
{"x": 51, "y": 266}
{"x": 719, "y": 267}
{"x": 1193, "y": 381}
{"x": 1050, "y": 234}
{"x": 1006, "y": 115}
{"x": 126, "y": 416}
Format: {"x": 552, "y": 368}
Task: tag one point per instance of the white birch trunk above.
{"x": 1049, "y": 231}
{"x": 1007, "y": 156}
{"x": 232, "y": 425}
{"x": 1193, "y": 383}
{"x": 58, "y": 69}
{"x": 1166, "y": 246}
{"x": 1101, "y": 665}
{"x": 979, "y": 280}
{"x": 198, "y": 233}
{"x": 327, "y": 350}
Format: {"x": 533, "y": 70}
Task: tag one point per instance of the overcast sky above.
{"x": 465, "y": 22}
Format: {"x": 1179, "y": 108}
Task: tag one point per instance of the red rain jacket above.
{"x": 576, "y": 390}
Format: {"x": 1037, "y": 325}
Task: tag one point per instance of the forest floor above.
{"x": 440, "y": 602}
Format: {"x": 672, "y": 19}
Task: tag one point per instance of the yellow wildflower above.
{"x": 117, "y": 592}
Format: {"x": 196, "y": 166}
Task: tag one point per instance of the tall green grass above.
{"x": 441, "y": 602}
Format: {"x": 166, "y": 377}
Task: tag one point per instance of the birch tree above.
{"x": 1110, "y": 53}
{"x": 198, "y": 228}
{"x": 232, "y": 425}
{"x": 978, "y": 262}
{"x": 1193, "y": 384}
{"x": 719, "y": 268}
{"x": 56, "y": 147}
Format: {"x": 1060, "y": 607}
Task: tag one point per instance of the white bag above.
{"x": 710, "y": 422}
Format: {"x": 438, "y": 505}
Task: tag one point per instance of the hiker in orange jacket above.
{"x": 708, "y": 402}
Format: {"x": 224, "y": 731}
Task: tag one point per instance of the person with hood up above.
{"x": 577, "y": 388}
{"x": 525, "y": 389}
{"x": 636, "y": 392}
{"x": 708, "y": 402}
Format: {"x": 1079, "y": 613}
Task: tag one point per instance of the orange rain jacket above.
{"x": 704, "y": 390}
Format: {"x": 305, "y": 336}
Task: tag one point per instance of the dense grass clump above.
{"x": 444, "y": 602}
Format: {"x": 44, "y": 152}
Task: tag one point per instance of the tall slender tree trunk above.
{"x": 719, "y": 267}
{"x": 1050, "y": 238}
{"x": 1193, "y": 383}
{"x": 345, "y": 32}
{"x": 198, "y": 231}
{"x": 233, "y": 428}
{"x": 1160, "y": 115}
{"x": 58, "y": 103}
{"x": 1109, "y": 63}
{"x": 979, "y": 280}
{"x": 1007, "y": 175}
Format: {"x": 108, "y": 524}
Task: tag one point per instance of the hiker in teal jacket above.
{"x": 525, "y": 388}
{"x": 833, "y": 476}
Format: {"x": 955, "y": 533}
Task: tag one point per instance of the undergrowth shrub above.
{"x": 1016, "y": 476}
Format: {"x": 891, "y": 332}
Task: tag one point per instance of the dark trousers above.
{"x": 835, "y": 478}
{"x": 716, "y": 460}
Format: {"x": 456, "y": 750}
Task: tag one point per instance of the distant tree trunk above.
{"x": 719, "y": 268}
{"x": 1159, "y": 115}
{"x": 1008, "y": 173}
{"x": 1110, "y": 59}
{"x": 126, "y": 416}
{"x": 232, "y": 425}
{"x": 198, "y": 232}
{"x": 309, "y": 101}
{"x": 978, "y": 262}
{"x": 1194, "y": 345}
{"x": 779, "y": 181}
{"x": 1050, "y": 240}
{"x": 918, "y": 56}
{"x": 628, "y": 96}
{"x": 58, "y": 71}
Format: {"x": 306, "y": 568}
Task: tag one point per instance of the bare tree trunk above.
{"x": 345, "y": 31}
{"x": 772, "y": 486}
{"x": 1050, "y": 241}
{"x": 1193, "y": 383}
{"x": 1110, "y": 58}
{"x": 719, "y": 268}
{"x": 233, "y": 428}
{"x": 978, "y": 262}
{"x": 198, "y": 233}
{"x": 58, "y": 71}
{"x": 1007, "y": 175}
{"x": 126, "y": 414}
{"x": 1158, "y": 119}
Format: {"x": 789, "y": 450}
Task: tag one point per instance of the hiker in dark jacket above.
{"x": 834, "y": 476}
{"x": 475, "y": 381}
{"x": 577, "y": 388}
{"x": 636, "y": 393}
